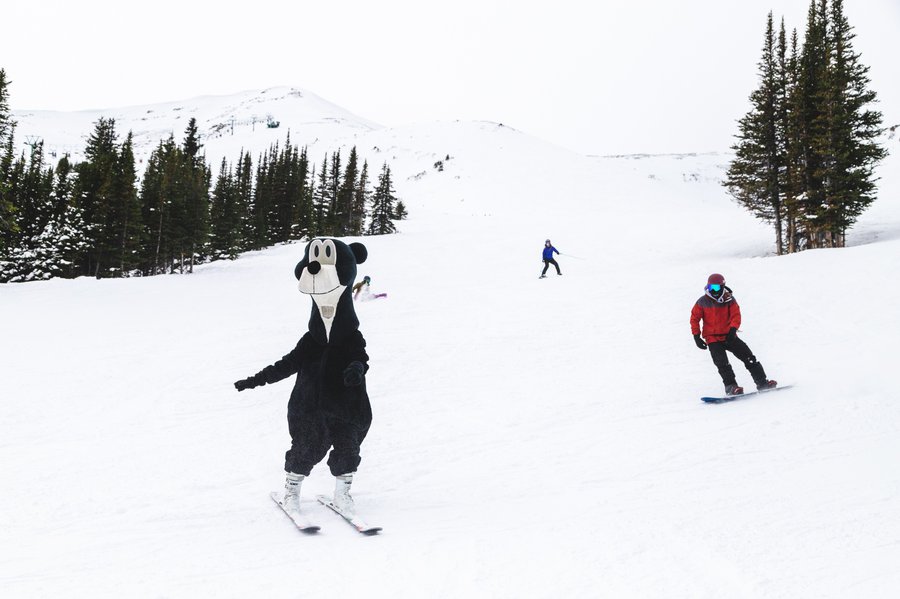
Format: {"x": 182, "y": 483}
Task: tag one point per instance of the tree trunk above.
{"x": 122, "y": 242}
{"x": 779, "y": 241}
{"x": 792, "y": 234}
{"x": 158, "y": 267}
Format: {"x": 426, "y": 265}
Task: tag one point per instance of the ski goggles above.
{"x": 714, "y": 287}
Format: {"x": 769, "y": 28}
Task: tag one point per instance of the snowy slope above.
{"x": 532, "y": 438}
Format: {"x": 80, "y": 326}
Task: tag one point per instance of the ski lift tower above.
{"x": 32, "y": 141}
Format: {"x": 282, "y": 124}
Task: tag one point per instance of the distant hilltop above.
{"x": 250, "y": 121}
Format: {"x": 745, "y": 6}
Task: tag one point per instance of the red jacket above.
{"x": 717, "y": 318}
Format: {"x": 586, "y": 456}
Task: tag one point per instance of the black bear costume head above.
{"x": 326, "y": 273}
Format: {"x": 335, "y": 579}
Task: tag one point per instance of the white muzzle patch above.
{"x": 324, "y": 281}
{"x": 325, "y": 289}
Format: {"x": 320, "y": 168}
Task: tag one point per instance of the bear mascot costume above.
{"x": 329, "y": 407}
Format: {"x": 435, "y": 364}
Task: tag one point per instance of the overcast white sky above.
{"x": 598, "y": 76}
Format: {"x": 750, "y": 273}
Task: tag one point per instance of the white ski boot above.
{"x": 291, "y": 500}
{"x": 342, "y": 499}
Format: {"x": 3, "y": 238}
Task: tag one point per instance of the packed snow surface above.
{"x": 532, "y": 438}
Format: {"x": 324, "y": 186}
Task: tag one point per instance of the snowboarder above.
{"x": 362, "y": 292}
{"x": 329, "y": 407}
{"x": 548, "y": 258}
{"x": 721, "y": 318}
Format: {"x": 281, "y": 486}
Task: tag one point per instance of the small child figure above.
{"x": 547, "y": 257}
{"x": 362, "y": 292}
{"x": 721, "y": 318}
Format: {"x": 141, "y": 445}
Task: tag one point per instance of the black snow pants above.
{"x": 742, "y": 352}
{"x": 313, "y": 433}
{"x": 547, "y": 264}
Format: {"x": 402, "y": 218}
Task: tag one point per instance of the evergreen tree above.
{"x": 277, "y": 186}
{"x": 346, "y": 198}
{"x": 301, "y": 197}
{"x": 6, "y": 122}
{"x": 197, "y": 180}
{"x": 260, "y": 205}
{"x": 244, "y": 199}
{"x": 754, "y": 176}
{"x": 191, "y": 145}
{"x": 400, "y": 212}
{"x": 794, "y": 152}
{"x": 29, "y": 187}
{"x": 225, "y": 219}
{"x": 65, "y": 238}
{"x": 335, "y": 214}
{"x": 321, "y": 201}
{"x": 154, "y": 211}
{"x": 360, "y": 199}
{"x": 7, "y": 129}
{"x": 63, "y": 185}
{"x": 125, "y": 223}
{"x": 852, "y": 131}
{"x": 383, "y": 205}
{"x": 283, "y": 190}
{"x": 169, "y": 184}
{"x": 94, "y": 196}
{"x": 813, "y": 120}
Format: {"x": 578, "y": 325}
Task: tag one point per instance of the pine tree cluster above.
{"x": 96, "y": 218}
{"x": 807, "y": 149}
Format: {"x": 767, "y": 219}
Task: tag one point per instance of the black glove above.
{"x": 699, "y": 342}
{"x": 247, "y": 383}
{"x": 732, "y": 334}
{"x": 353, "y": 374}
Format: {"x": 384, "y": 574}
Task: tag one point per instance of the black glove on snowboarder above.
{"x": 732, "y": 334}
{"x": 353, "y": 374}
{"x": 247, "y": 383}
{"x": 699, "y": 342}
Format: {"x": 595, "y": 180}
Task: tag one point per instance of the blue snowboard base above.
{"x": 726, "y": 398}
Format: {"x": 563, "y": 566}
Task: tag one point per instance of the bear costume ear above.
{"x": 359, "y": 252}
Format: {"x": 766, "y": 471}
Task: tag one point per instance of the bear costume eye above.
{"x": 329, "y": 253}
{"x": 317, "y": 250}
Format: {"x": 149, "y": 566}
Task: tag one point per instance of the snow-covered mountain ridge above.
{"x": 226, "y": 123}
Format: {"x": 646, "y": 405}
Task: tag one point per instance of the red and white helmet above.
{"x": 715, "y": 287}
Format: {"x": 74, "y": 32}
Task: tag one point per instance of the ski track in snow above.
{"x": 532, "y": 438}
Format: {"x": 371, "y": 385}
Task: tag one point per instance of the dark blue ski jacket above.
{"x": 548, "y": 252}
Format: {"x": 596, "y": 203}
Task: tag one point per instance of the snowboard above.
{"x": 727, "y": 398}
{"x": 299, "y": 520}
{"x": 354, "y": 520}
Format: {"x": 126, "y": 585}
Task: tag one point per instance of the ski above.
{"x": 354, "y": 520}
{"x": 299, "y": 520}
{"x": 727, "y": 398}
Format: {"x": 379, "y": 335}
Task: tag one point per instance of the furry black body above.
{"x": 329, "y": 406}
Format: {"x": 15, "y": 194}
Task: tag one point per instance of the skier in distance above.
{"x": 548, "y": 258}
